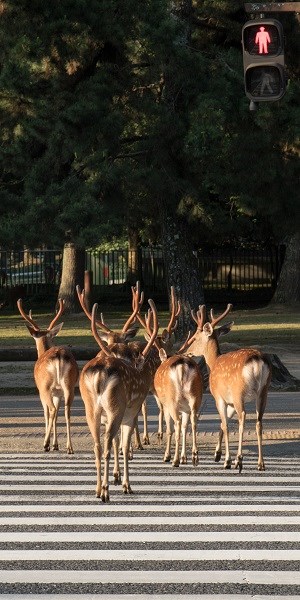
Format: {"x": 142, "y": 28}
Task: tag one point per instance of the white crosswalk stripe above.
{"x": 198, "y": 533}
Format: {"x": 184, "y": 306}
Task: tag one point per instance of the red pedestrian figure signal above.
{"x": 263, "y": 57}
{"x": 262, "y": 39}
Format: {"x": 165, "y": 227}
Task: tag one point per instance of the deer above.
{"x": 113, "y": 389}
{"x": 55, "y": 373}
{"x": 126, "y": 335}
{"x": 164, "y": 342}
{"x": 235, "y": 379}
{"x": 122, "y": 343}
{"x": 179, "y": 389}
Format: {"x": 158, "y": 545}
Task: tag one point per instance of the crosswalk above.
{"x": 191, "y": 532}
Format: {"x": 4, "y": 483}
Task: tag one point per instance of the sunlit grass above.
{"x": 266, "y": 326}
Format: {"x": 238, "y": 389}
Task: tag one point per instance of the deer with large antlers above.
{"x": 113, "y": 390}
{"x": 125, "y": 337}
{"x": 55, "y": 374}
{"x": 236, "y": 378}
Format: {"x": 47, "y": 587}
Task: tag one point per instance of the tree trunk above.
{"x": 73, "y": 265}
{"x": 134, "y": 258}
{"x": 288, "y": 287}
{"x": 182, "y": 270}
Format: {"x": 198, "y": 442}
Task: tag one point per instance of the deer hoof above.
{"x": 183, "y": 460}
{"x": 261, "y": 466}
{"x": 195, "y": 459}
{"x": 218, "y": 455}
{"x": 227, "y": 464}
{"x": 238, "y": 463}
{"x": 104, "y": 494}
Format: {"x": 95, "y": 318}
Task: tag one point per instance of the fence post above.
{"x": 88, "y": 288}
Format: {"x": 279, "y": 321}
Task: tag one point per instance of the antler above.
{"x": 101, "y": 324}
{"x": 152, "y": 314}
{"x": 175, "y": 310}
{"x": 137, "y": 301}
{"x": 216, "y": 320}
{"x": 199, "y": 318}
{"x": 30, "y": 320}
{"x": 81, "y": 298}
{"x": 26, "y": 317}
{"x": 95, "y": 332}
{"x": 61, "y": 309}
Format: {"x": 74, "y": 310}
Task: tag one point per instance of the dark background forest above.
{"x": 128, "y": 121}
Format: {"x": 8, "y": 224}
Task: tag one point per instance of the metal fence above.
{"x": 232, "y": 270}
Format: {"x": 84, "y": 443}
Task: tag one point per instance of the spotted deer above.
{"x": 179, "y": 388}
{"x": 235, "y": 379}
{"x": 55, "y": 374}
{"x": 164, "y": 340}
{"x": 113, "y": 390}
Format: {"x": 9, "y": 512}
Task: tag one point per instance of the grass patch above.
{"x": 270, "y": 326}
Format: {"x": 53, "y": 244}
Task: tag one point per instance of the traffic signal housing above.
{"x": 263, "y": 56}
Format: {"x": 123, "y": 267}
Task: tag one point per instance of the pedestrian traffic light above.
{"x": 263, "y": 55}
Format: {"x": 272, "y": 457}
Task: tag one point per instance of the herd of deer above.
{"x": 114, "y": 385}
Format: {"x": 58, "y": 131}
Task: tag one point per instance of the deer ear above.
{"x": 208, "y": 330}
{"x": 55, "y": 330}
{"x": 162, "y": 355}
{"x": 224, "y": 329}
{"x": 165, "y": 336}
{"x": 131, "y": 333}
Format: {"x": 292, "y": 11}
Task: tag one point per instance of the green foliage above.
{"x": 108, "y": 107}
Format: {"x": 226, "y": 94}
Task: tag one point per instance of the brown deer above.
{"x": 164, "y": 342}
{"x": 125, "y": 337}
{"x": 55, "y": 374}
{"x": 179, "y": 388}
{"x": 113, "y": 390}
{"x": 235, "y": 378}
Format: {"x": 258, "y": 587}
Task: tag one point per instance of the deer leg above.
{"x": 184, "y": 426}
{"x": 160, "y": 419}
{"x": 176, "y": 461}
{"x": 116, "y": 472}
{"x": 69, "y": 397}
{"x": 222, "y": 409}
{"x": 46, "y": 416}
{"x": 107, "y": 443}
{"x": 50, "y": 413}
{"x": 56, "y": 402}
{"x": 94, "y": 422}
{"x": 260, "y": 409}
{"x": 170, "y": 430}
{"x": 238, "y": 463}
{"x": 138, "y": 444}
{"x": 194, "y": 418}
{"x": 145, "y": 421}
{"x": 218, "y": 450}
{"x": 126, "y": 437}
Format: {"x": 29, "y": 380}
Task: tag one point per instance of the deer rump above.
{"x": 254, "y": 367}
{"x": 178, "y": 379}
